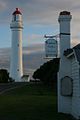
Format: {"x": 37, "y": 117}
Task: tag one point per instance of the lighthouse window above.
{"x": 18, "y": 45}
{"x": 17, "y": 69}
{"x": 14, "y": 17}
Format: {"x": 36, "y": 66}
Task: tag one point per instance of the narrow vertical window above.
{"x": 14, "y": 17}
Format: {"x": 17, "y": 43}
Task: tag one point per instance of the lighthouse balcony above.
{"x": 16, "y": 25}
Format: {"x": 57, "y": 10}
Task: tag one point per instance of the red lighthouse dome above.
{"x": 17, "y": 11}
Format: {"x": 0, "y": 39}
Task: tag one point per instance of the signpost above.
{"x": 51, "y": 47}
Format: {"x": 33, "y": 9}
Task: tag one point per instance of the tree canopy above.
{"x": 47, "y": 73}
{"x": 4, "y": 76}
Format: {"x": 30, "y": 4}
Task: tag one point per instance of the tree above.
{"x": 4, "y": 76}
{"x": 47, "y": 73}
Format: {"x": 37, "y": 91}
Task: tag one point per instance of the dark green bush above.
{"x": 4, "y": 76}
{"x": 47, "y": 73}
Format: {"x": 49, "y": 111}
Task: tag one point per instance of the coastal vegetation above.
{"x": 47, "y": 73}
{"x": 4, "y": 76}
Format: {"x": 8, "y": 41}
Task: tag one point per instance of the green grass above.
{"x": 31, "y": 102}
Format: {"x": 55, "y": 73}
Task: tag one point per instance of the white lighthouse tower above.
{"x": 16, "y": 67}
{"x": 64, "y": 103}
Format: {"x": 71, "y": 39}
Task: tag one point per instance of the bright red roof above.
{"x": 17, "y": 11}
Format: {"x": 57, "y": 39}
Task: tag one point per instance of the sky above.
{"x": 40, "y": 17}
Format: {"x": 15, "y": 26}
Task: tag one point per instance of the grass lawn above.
{"x": 31, "y": 102}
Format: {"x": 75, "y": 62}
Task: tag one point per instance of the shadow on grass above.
{"x": 30, "y": 102}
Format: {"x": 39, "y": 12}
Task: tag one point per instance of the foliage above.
{"x": 4, "y": 76}
{"x": 11, "y": 79}
{"x": 47, "y": 73}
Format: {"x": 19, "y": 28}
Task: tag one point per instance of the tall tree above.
{"x": 47, "y": 73}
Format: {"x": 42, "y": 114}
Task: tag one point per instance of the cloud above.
{"x": 42, "y": 13}
{"x": 35, "y": 48}
{"x": 39, "y": 11}
{"x": 31, "y": 51}
{"x": 32, "y": 39}
{"x": 2, "y": 6}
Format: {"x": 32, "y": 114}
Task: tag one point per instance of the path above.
{"x": 8, "y": 86}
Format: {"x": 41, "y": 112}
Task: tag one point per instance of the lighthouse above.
{"x": 16, "y": 67}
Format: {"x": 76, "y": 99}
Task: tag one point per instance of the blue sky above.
{"x": 40, "y": 17}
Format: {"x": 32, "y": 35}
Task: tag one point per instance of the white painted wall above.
{"x": 68, "y": 67}
{"x": 76, "y": 88}
{"x": 64, "y": 103}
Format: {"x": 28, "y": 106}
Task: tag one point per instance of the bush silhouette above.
{"x": 47, "y": 73}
